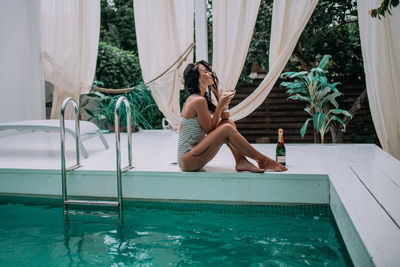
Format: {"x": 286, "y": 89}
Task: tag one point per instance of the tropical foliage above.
{"x": 314, "y": 88}
{"x": 144, "y": 111}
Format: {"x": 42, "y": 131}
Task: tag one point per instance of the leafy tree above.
{"x": 332, "y": 30}
{"x": 118, "y": 24}
{"x": 385, "y": 6}
{"x": 259, "y": 46}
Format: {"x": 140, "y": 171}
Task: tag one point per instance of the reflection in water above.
{"x": 88, "y": 232}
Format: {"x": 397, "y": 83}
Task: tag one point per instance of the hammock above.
{"x": 178, "y": 63}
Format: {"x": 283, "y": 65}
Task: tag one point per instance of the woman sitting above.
{"x": 202, "y": 135}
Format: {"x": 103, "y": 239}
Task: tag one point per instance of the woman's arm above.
{"x": 216, "y": 117}
{"x": 203, "y": 114}
{"x": 207, "y": 122}
{"x": 225, "y": 114}
{"x": 214, "y": 89}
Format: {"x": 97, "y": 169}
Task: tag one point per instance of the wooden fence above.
{"x": 262, "y": 125}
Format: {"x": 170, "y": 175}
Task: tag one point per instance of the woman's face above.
{"x": 205, "y": 78}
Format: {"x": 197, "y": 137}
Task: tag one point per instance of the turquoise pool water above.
{"x": 170, "y": 234}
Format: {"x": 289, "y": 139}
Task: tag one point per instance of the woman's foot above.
{"x": 271, "y": 165}
{"x": 244, "y": 165}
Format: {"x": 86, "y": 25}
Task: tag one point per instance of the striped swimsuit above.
{"x": 190, "y": 135}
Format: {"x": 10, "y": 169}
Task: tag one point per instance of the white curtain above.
{"x": 164, "y": 30}
{"x": 233, "y": 24}
{"x": 69, "y": 38}
{"x": 289, "y": 17}
{"x": 21, "y": 73}
{"x": 380, "y": 39}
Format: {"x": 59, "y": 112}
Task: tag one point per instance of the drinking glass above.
{"x": 228, "y": 91}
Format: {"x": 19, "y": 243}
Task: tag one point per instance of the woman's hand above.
{"x": 225, "y": 115}
{"x": 224, "y": 101}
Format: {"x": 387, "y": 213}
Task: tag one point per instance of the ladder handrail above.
{"x": 121, "y": 100}
{"x": 77, "y": 143}
{"x": 64, "y": 170}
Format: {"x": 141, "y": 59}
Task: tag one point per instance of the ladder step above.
{"x": 91, "y": 203}
{"x": 127, "y": 168}
{"x": 76, "y": 166}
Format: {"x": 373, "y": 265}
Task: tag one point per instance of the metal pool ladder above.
{"x": 64, "y": 170}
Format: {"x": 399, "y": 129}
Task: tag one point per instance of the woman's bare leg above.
{"x": 203, "y": 152}
{"x": 243, "y": 147}
{"x": 242, "y": 164}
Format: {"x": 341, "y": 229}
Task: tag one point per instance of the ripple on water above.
{"x": 171, "y": 235}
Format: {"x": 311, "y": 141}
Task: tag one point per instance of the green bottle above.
{"x": 280, "y": 149}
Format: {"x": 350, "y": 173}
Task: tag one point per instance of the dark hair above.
{"x": 191, "y": 77}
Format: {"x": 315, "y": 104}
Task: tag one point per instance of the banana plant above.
{"x": 320, "y": 95}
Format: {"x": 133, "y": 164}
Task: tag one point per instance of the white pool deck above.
{"x": 360, "y": 182}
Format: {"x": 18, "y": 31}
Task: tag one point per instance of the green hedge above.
{"x": 117, "y": 68}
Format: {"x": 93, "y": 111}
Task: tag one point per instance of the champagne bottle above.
{"x": 280, "y": 149}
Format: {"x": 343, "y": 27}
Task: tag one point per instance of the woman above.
{"x": 202, "y": 135}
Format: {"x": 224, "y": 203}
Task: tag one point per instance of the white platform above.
{"x": 359, "y": 181}
{"x": 87, "y": 128}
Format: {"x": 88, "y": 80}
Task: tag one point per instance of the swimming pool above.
{"x": 170, "y": 234}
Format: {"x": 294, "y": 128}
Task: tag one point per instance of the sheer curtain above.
{"x": 69, "y": 39}
{"x": 380, "y": 39}
{"x": 164, "y": 30}
{"x": 233, "y": 24}
{"x": 21, "y": 72}
{"x": 289, "y": 18}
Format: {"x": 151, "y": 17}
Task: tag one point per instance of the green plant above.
{"x": 102, "y": 115}
{"x": 117, "y": 68}
{"x": 314, "y": 88}
{"x": 385, "y": 6}
{"x": 144, "y": 111}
